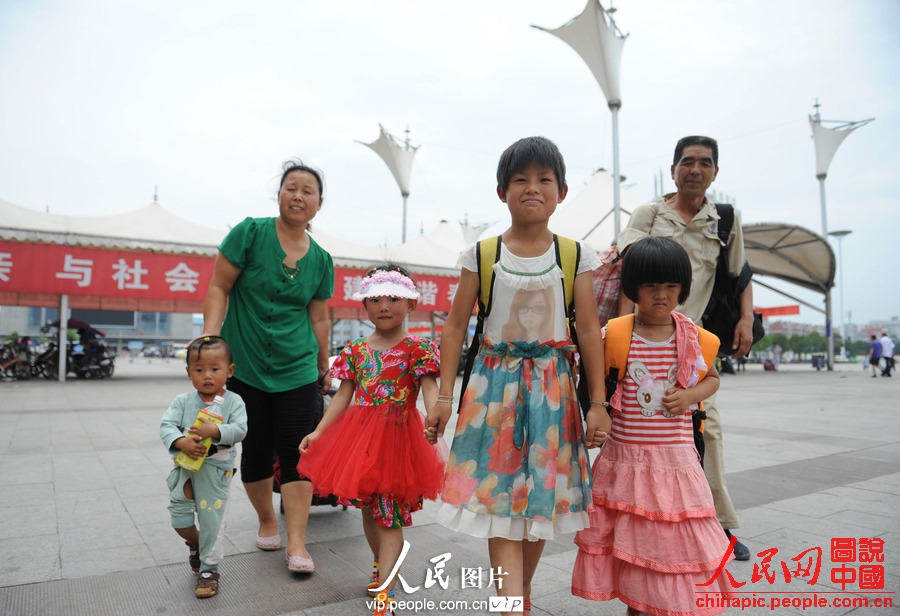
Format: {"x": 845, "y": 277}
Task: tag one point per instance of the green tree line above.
{"x": 810, "y": 343}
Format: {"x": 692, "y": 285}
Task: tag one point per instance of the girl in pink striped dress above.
{"x": 654, "y": 535}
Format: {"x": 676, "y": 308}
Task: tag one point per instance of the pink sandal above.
{"x": 269, "y": 544}
{"x": 298, "y": 564}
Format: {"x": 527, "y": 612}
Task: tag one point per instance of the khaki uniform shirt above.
{"x": 698, "y": 237}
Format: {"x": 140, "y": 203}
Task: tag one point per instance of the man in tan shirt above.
{"x": 691, "y": 219}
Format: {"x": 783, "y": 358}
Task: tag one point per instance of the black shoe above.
{"x": 741, "y": 551}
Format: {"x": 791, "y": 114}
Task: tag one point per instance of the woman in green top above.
{"x": 274, "y": 281}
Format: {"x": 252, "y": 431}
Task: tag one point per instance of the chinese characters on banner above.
{"x": 73, "y": 270}
{"x": 78, "y": 271}
{"x": 436, "y": 292}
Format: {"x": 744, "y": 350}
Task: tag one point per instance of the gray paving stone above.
{"x": 801, "y": 473}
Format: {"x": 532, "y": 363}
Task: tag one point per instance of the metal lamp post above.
{"x": 399, "y": 159}
{"x": 840, "y": 235}
{"x": 599, "y": 42}
{"x": 826, "y": 142}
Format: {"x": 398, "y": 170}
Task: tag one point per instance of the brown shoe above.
{"x": 193, "y": 556}
{"x": 207, "y": 585}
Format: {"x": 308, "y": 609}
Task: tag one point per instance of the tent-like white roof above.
{"x": 588, "y": 215}
{"x": 152, "y": 228}
{"x": 787, "y": 252}
{"x": 155, "y": 229}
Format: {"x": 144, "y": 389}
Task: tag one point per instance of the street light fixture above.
{"x": 840, "y": 235}
{"x": 599, "y": 42}
{"x": 826, "y": 141}
{"x": 399, "y": 159}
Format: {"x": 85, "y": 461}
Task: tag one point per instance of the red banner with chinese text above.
{"x": 124, "y": 280}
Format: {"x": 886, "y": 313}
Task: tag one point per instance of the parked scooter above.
{"x": 17, "y": 359}
{"x": 88, "y": 358}
{"x": 94, "y": 362}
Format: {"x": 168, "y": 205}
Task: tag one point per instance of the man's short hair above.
{"x": 706, "y": 142}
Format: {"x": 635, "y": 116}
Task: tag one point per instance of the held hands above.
{"x": 599, "y": 424}
{"x": 677, "y": 400}
{"x": 431, "y": 434}
{"x": 436, "y": 420}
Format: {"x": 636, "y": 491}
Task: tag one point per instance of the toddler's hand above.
{"x": 431, "y": 434}
{"x": 307, "y": 441}
{"x": 191, "y": 446}
{"x": 676, "y": 400}
{"x": 438, "y": 416}
{"x": 206, "y": 429}
{"x": 598, "y": 438}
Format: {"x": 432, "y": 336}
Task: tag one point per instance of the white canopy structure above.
{"x": 151, "y": 228}
{"x": 790, "y": 253}
{"x": 594, "y": 35}
{"x": 599, "y": 42}
{"x": 588, "y": 215}
{"x": 399, "y": 158}
{"x": 783, "y": 251}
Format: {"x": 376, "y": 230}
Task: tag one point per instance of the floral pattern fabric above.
{"x": 375, "y": 454}
{"x": 518, "y": 451}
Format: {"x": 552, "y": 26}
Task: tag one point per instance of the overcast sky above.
{"x": 104, "y": 100}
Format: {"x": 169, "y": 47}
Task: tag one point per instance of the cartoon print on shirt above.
{"x": 651, "y": 390}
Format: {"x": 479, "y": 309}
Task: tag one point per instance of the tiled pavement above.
{"x": 84, "y": 528}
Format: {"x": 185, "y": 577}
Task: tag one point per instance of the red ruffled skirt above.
{"x": 375, "y": 450}
{"x": 654, "y": 535}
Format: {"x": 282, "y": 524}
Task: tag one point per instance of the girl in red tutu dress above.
{"x": 654, "y": 535}
{"x": 370, "y": 449}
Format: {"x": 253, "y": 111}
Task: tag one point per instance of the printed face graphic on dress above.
{"x": 530, "y": 316}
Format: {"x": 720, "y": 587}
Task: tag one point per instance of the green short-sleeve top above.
{"x": 267, "y": 322}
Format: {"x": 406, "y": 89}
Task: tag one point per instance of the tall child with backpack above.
{"x": 518, "y": 471}
{"x": 654, "y": 535}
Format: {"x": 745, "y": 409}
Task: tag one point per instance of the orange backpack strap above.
{"x": 709, "y": 348}
{"x": 615, "y": 353}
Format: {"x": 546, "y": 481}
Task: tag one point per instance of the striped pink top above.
{"x": 642, "y": 420}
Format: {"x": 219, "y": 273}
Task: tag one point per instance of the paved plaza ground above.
{"x": 812, "y": 456}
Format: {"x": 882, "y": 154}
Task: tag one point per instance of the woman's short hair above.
{"x": 655, "y": 260}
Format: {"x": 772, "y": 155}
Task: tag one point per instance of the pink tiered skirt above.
{"x": 654, "y": 535}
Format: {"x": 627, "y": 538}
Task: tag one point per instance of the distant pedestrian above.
{"x": 776, "y": 355}
{"x": 204, "y": 492}
{"x": 887, "y": 352}
{"x": 875, "y": 350}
